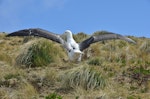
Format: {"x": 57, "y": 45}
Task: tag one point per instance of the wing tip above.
{"x": 10, "y": 34}
{"x": 131, "y": 41}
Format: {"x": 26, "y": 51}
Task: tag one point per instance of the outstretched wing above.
{"x": 38, "y": 32}
{"x": 93, "y": 39}
{"x": 41, "y": 33}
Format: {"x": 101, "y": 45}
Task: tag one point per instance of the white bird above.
{"x": 74, "y": 49}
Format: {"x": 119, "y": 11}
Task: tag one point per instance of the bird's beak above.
{"x": 78, "y": 51}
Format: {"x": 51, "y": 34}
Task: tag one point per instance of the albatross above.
{"x": 74, "y": 49}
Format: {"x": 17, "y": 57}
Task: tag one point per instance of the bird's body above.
{"x": 74, "y": 53}
{"x": 73, "y": 48}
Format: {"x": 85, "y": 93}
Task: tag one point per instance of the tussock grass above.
{"x": 84, "y": 77}
{"x": 95, "y": 61}
{"x": 125, "y": 66}
{"x": 53, "y": 96}
{"x": 4, "y": 94}
{"x": 145, "y": 47}
{"x": 2, "y": 35}
{"x": 10, "y": 76}
{"x": 9, "y": 48}
{"x": 81, "y": 93}
{"x": 80, "y": 36}
{"x": 8, "y": 71}
{"x": 5, "y": 57}
{"x": 26, "y": 91}
{"x": 11, "y": 79}
{"x": 51, "y": 76}
{"x": 39, "y": 53}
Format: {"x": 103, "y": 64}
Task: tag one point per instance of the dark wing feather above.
{"x": 38, "y": 32}
{"x": 41, "y": 33}
{"x": 93, "y": 39}
{"x": 86, "y": 43}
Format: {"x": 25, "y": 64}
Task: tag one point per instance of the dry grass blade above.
{"x": 85, "y": 77}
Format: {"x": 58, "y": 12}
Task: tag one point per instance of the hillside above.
{"x": 37, "y": 68}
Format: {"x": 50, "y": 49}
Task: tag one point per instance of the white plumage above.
{"x": 74, "y": 53}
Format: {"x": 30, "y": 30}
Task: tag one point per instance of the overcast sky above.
{"x": 126, "y": 17}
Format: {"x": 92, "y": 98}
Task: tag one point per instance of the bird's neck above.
{"x": 69, "y": 37}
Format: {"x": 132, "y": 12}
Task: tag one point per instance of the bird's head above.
{"x": 68, "y": 33}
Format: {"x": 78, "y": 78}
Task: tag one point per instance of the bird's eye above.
{"x": 69, "y": 50}
{"x": 73, "y": 48}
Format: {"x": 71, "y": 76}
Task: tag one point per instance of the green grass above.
{"x": 10, "y": 76}
{"x": 53, "y": 96}
{"x": 39, "y": 54}
{"x": 109, "y": 70}
{"x": 96, "y": 61}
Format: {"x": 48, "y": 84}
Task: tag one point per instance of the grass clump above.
{"x": 3, "y": 94}
{"x": 26, "y": 91}
{"x": 96, "y": 61}
{"x": 80, "y": 36}
{"x": 145, "y": 47}
{"x": 141, "y": 70}
{"x": 53, "y": 96}
{"x": 38, "y": 54}
{"x": 140, "y": 75}
{"x": 84, "y": 77}
{"x": 10, "y": 76}
{"x": 5, "y": 57}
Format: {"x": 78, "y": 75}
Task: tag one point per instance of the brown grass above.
{"x": 109, "y": 70}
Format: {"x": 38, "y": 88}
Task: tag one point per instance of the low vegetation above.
{"x": 85, "y": 77}
{"x": 39, "y": 53}
{"x": 37, "y": 68}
